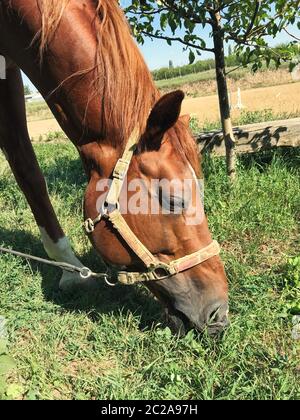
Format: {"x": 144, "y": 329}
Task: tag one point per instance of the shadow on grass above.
{"x": 288, "y": 156}
{"x": 104, "y": 300}
{"x": 262, "y": 160}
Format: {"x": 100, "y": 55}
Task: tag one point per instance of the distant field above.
{"x": 37, "y": 111}
{"x": 204, "y": 84}
{"x": 281, "y": 101}
{"x": 260, "y": 104}
{"x": 187, "y": 79}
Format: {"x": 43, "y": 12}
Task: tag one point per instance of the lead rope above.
{"x": 85, "y": 272}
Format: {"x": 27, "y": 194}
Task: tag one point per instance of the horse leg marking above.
{"x": 59, "y": 251}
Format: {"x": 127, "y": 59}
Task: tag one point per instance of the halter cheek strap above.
{"x": 155, "y": 269}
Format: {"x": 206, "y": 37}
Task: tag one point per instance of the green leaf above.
{"x": 7, "y": 364}
{"x": 2, "y": 387}
{"x": 172, "y": 23}
{"x": 14, "y": 391}
{"x": 192, "y": 56}
{"x": 3, "y": 346}
{"x": 292, "y": 66}
{"x": 163, "y": 21}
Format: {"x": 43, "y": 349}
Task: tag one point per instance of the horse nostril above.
{"x": 213, "y": 317}
{"x": 217, "y": 314}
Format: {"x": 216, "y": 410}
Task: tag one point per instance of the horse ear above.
{"x": 163, "y": 116}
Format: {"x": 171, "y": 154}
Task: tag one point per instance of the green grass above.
{"x": 203, "y": 76}
{"x": 111, "y": 344}
{"x": 52, "y": 136}
{"x": 38, "y": 111}
{"x": 192, "y": 78}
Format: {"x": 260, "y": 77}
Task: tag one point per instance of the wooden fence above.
{"x": 255, "y": 137}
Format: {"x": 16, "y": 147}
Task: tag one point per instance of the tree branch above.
{"x": 251, "y": 25}
{"x": 154, "y": 12}
{"x": 291, "y": 35}
{"x": 234, "y": 69}
{"x": 225, "y": 5}
{"x": 177, "y": 39}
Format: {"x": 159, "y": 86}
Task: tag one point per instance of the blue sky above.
{"x": 157, "y": 53}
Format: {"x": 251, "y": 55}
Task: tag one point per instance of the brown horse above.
{"x": 81, "y": 56}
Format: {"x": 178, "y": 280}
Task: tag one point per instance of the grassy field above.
{"x": 204, "y": 84}
{"x": 194, "y": 85}
{"x": 112, "y": 344}
{"x": 37, "y": 111}
{"x": 265, "y": 96}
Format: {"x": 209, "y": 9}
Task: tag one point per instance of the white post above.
{"x": 239, "y": 99}
{"x": 2, "y": 68}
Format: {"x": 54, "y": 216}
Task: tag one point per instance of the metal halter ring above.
{"x": 106, "y": 279}
{"x": 108, "y": 208}
{"x": 85, "y": 273}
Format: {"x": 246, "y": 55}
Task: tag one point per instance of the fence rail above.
{"x": 255, "y": 137}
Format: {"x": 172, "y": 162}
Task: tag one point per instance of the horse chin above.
{"x": 178, "y": 322}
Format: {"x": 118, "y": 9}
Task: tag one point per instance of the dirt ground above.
{"x": 42, "y": 128}
{"x": 280, "y": 99}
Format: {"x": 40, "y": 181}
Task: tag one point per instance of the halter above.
{"x": 155, "y": 269}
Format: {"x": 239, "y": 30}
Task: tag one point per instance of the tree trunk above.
{"x": 224, "y": 96}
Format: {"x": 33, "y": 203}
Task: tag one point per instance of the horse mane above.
{"x": 122, "y": 79}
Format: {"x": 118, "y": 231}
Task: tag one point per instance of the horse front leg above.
{"x": 16, "y": 145}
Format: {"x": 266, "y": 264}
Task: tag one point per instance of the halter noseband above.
{"x": 156, "y": 270}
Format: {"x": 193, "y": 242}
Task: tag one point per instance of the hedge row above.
{"x": 198, "y": 67}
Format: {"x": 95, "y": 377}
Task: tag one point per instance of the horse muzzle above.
{"x": 214, "y": 319}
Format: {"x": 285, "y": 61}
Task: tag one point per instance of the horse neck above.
{"x": 101, "y": 104}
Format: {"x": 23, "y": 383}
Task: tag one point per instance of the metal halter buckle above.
{"x": 108, "y": 208}
{"x": 121, "y": 169}
{"x": 163, "y": 271}
{"x": 89, "y": 226}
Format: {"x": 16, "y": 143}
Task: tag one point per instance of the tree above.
{"x": 171, "y": 65}
{"x": 27, "y": 90}
{"x": 244, "y": 24}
